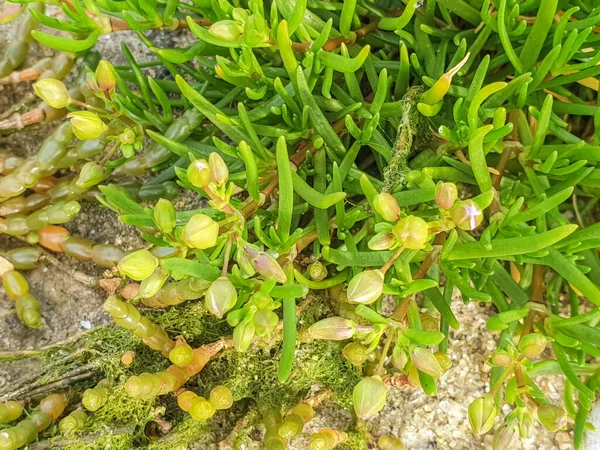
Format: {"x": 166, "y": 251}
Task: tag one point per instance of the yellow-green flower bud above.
{"x": 265, "y": 322}
{"x": 390, "y": 443}
{"x": 87, "y": 125}
{"x": 243, "y": 335}
{"x": 220, "y": 297}
{"x": 164, "y": 215}
{"x": 369, "y": 397}
{"x": 221, "y": 397}
{"x": 445, "y": 195}
{"x": 382, "y": 241}
{"x": 201, "y": 409}
{"x": 105, "y": 76}
{"x": 182, "y": 354}
{"x": 553, "y": 418}
{"x": 426, "y": 362}
{"x": 332, "y": 329}
{"x": 526, "y": 425}
{"x": 482, "y": 414}
{"x": 53, "y": 92}
{"x": 504, "y": 437}
{"x": 218, "y": 169}
{"x": 386, "y": 206}
{"x": 399, "y": 359}
{"x": 91, "y": 174}
{"x": 151, "y": 285}
{"x": 201, "y": 232}
{"x": 467, "y": 215}
{"x": 366, "y": 287}
{"x": 317, "y": 271}
{"x": 532, "y": 345}
{"x": 198, "y": 173}
{"x": 411, "y": 232}
{"x": 228, "y": 30}
{"x": 444, "y": 361}
{"x": 501, "y": 358}
{"x": 356, "y": 353}
{"x": 138, "y": 265}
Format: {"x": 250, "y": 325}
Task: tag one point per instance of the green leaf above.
{"x": 421, "y": 337}
{"x": 501, "y": 248}
{"x": 436, "y": 297}
{"x": 63, "y": 44}
{"x": 179, "y": 268}
{"x": 210, "y": 111}
{"x": 120, "y": 201}
{"x": 313, "y": 197}
{"x": 356, "y": 259}
{"x": 342, "y": 63}
{"x": 572, "y": 274}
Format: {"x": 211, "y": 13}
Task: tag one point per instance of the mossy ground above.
{"x": 124, "y": 422}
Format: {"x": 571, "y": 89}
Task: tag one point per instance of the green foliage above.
{"x": 336, "y": 146}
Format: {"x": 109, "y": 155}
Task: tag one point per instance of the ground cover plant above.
{"x": 364, "y": 164}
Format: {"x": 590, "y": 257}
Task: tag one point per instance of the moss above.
{"x": 254, "y": 374}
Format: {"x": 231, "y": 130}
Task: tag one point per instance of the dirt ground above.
{"x": 70, "y": 305}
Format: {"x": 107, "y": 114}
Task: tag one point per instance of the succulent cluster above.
{"x": 395, "y": 156}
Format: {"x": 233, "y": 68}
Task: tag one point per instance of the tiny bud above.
{"x": 412, "y": 232}
{"x": 532, "y": 345}
{"x": 105, "y": 76}
{"x": 87, "y": 125}
{"x": 218, "y": 169}
{"x": 317, "y": 271}
{"x": 91, "y": 174}
{"x": 390, "y": 443}
{"x": 526, "y": 425}
{"x": 220, "y": 297}
{"x": 138, "y": 265}
{"x": 182, "y": 354}
{"x": 467, "y": 215}
{"x": 386, "y": 206}
{"x": 201, "y": 232}
{"x": 245, "y": 262}
{"x": 429, "y": 323}
{"x": 201, "y": 409}
{"x": 365, "y": 287}
{"x": 243, "y": 335}
{"x": 444, "y": 361}
{"x": 501, "y": 358}
{"x": 356, "y": 353}
{"x": 399, "y": 359}
{"x": 332, "y": 329}
{"x": 221, "y": 397}
{"x": 504, "y": 437}
{"x": 382, "y": 241}
{"x": 53, "y": 92}
{"x": 446, "y": 194}
{"x": 198, "y": 173}
{"x": 164, "y": 215}
{"x": 265, "y": 264}
{"x": 228, "y": 30}
{"x": 553, "y": 418}
{"x": 265, "y": 322}
{"x": 426, "y": 362}
{"x": 482, "y": 414}
{"x": 128, "y": 357}
{"x": 369, "y": 397}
